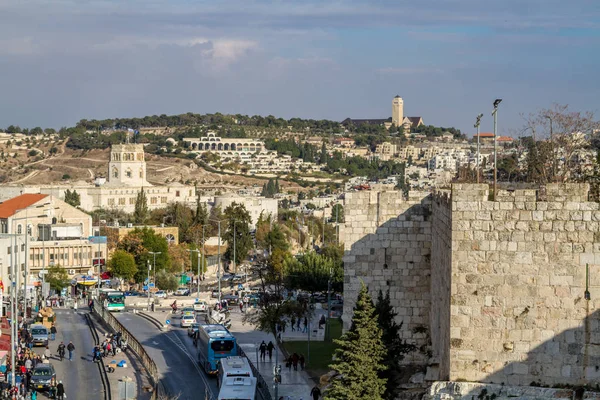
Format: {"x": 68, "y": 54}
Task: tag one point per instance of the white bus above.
{"x": 236, "y": 379}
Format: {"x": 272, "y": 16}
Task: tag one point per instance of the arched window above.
{"x": 115, "y": 173}
{"x": 19, "y": 229}
{"x": 128, "y": 173}
{"x": 142, "y": 173}
{"x": 54, "y": 220}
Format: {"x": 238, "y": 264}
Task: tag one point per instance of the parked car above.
{"x": 227, "y": 277}
{"x": 200, "y": 306}
{"x": 215, "y": 294}
{"x": 161, "y": 294}
{"x": 43, "y": 377}
{"x": 239, "y": 277}
{"x": 187, "y": 320}
{"x": 193, "y": 328}
{"x": 182, "y": 291}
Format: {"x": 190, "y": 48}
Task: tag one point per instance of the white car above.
{"x": 161, "y": 294}
{"x": 187, "y": 321}
{"x": 200, "y": 305}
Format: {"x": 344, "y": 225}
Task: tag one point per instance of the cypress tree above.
{"x": 396, "y": 348}
{"x": 140, "y": 212}
{"x": 270, "y": 188}
{"x": 359, "y": 357}
{"x": 277, "y": 190}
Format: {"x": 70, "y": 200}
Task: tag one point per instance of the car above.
{"x": 227, "y": 277}
{"x": 187, "y": 320}
{"x": 43, "y": 377}
{"x": 231, "y": 299}
{"x": 214, "y": 294}
{"x": 161, "y": 294}
{"x": 188, "y": 311}
{"x": 182, "y": 291}
{"x": 193, "y": 328}
{"x": 39, "y": 334}
{"x": 200, "y": 305}
{"x": 239, "y": 277}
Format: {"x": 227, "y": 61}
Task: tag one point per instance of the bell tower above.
{"x": 397, "y": 111}
{"x": 127, "y": 166}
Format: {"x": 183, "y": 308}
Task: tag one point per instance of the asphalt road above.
{"x": 174, "y": 355}
{"x": 80, "y": 376}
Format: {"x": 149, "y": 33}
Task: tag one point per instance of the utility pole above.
{"x": 148, "y": 285}
{"x": 337, "y": 226}
{"x": 477, "y": 123}
{"x": 327, "y": 332}
{"x": 495, "y": 114}
{"x": 201, "y": 271}
{"x": 13, "y": 325}
{"x": 154, "y": 253}
{"x": 234, "y": 263}
{"x": 553, "y": 152}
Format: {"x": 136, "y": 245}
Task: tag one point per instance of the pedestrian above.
{"x": 53, "y": 332}
{"x": 302, "y": 361}
{"x": 47, "y": 353}
{"x": 60, "y": 391}
{"x": 288, "y": 363}
{"x": 71, "y": 349}
{"x": 108, "y": 347}
{"x": 270, "y": 348}
{"x": 305, "y": 325}
{"x": 241, "y": 306}
{"x": 298, "y": 324}
{"x": 295, "y": 359}
{"x": 91, "y": 305}
{"x": 315, "y": 393}
{"x": 322, "y": 321}
{"x": 263, "y": 350}
{"x": 293, "y": 323}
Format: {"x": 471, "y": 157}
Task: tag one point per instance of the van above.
{"x": 39, "y": 334}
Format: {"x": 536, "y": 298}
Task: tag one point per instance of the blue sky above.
{"x": 64, "y": 60}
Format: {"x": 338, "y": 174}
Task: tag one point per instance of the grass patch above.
{"x": 320, "y": 352}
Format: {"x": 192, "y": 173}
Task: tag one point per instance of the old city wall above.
{"x": 387, "y": 246}
{"x": 518, "y": 310}
{"x": 500, "y": 286}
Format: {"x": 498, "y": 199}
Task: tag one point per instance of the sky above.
{"x": 66, "y": 60}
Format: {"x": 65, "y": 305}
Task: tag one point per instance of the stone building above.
{"x": 490, "y": 291}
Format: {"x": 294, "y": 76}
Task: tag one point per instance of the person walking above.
{"x": 47, "y": 353}
{"x": 61, "y": 350}
{"x": 295, "y": 359}
{"x": 270, "y": 348}
{"x": 71, "y": 349}
{"x": 263, "y": 350}
{"x": 241, "y": 306}
{"x": 60, "y": 391}
{"x": 53, "y": 332}
{"x": 298, "y": 324}
{"x": 315, "y": 393}
{"x": 302, "y": 361}
{"x": 293, "y": 323}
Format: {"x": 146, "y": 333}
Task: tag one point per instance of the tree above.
{"x": 238, "y": 227}
{"x": 276, "y": 240}
{"x": 359, "y": 356}
{"x": 73, "y": 198}
{"x": 122, "y": 265}
{"x": 312, "y": 271}
{"x": 337, "y": 213}
{"x": 166, "y": 281}
{"x": 396, "y": 348}
{"x": 57, "y": 277}
{"x": 139, "y": 242}
{"x": 324, "y": 157}
{"x": 140, "y": 213}
{"x": 201, "y": 214}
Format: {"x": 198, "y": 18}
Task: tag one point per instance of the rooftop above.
{"x": 11, "y": 206}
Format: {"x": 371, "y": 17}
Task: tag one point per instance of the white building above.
{"x": 254, "y": 205}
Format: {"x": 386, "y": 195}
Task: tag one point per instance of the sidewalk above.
{"x": 295, "y": 384}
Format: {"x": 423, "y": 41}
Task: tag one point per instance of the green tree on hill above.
{"x": 360, "y": 356}
{"x": 73, "y": 198}
{"x": 238, "y": 227}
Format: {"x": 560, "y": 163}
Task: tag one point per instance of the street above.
{"x": 174, "y": 355}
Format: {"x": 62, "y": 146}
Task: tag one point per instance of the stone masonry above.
{"x": 500, "y": 286}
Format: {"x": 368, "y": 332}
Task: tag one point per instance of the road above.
{"x": 174, "y": 355}
{"x": 81, "y": 376}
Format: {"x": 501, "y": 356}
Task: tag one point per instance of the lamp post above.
{"x": 154, "y": 253}
{"x": 495, "y": 115}
{"x": 477, "y": 161}
{"x": 552, "y": 144}
{"x": 192, "y": 262}
{"x": 234, "y": 235}
{"x": 148, "y": 285}
{"x": 218, "y": 221}
{"x": 203, "y": 262}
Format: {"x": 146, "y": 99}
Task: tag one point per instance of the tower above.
{"x": 127, "y": 166}
{"x": 397, "y": 111}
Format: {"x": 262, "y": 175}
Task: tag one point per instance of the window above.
{"x": 132, "y": 200}
{"x": 19, "y": 229}
{"x": 163, "y": 199}
{"x": 115, "y": 173}
{"x": 153, "y": 200}
{"x": 22, "y": 247}
{"x": 31, "y": 257}
{"x": 97, "y": 254}
{"x": 141, "y": 173}
{"x": 122, "y": 201}
{"x": 111, "y": 202}
{"x": 9, "y": 250}
{"x": 51, "y": 257}
{"x": 177, "y": 193}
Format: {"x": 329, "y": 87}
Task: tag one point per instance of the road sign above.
{"x": 168, "y": 321}
{"x": 97, "y": 239}
{"x": 145, "y": 287}
{"x": 151, "y": 285}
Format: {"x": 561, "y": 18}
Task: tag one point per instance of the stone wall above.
{"x": 499, "y": 285}
{"x": 518, "y": 308}
{"x": 388, "y": 243}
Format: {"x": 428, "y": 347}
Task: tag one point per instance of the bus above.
{"x": 236, "y": 379}
{"x": 214, "y": 343}
{"x": 113, "y": 300}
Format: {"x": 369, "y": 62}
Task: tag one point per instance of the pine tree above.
{"x": 277, "y": 190}
{"x": 270, "y": 188}
{"x": 359, "y": 357}
{"x": 140, "y": 213}
{"x": 201, "y": 214}
{"x": 73, "y": 198}
{"x": 264, "y": 192}
{"x": 396, "y": 347}
{"x": 324, "y": 157}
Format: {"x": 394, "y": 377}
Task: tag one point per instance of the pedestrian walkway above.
{"x": 295, "y": 384}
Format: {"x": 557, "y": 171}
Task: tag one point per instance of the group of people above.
{"x": 294, "y": 360}
{"x": 108, "y": 347}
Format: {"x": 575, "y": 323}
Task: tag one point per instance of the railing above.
{"x": 134, "y": 345}
{"x": 262, "y": 386}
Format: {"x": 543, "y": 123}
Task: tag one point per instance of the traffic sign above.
{"x": 168, "y": 321}
{"x": 145, "y": 281}
{"x": 151, "y": 285}
{"x": 145, "y": 287}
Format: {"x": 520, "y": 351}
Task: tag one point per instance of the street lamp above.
{"x": 154, "y": 253}
{"x": 218, "y": 221}
{"x": 192, "y": 261}
{"x": 148, "y": 285}
{"x": 477, "y": 161}
{"x": 495, "y": 115}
